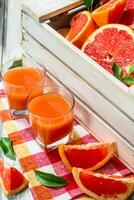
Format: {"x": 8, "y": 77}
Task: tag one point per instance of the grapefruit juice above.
{"x": 18, "y": 83}
{"x": 51, "y": 117}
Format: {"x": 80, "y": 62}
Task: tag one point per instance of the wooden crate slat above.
{"x": 45, "y": 9}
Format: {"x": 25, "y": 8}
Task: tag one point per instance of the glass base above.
{"x": 16, "y": 114}
{"x": 55, "y": 145}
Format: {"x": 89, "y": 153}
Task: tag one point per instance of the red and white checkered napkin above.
{"x": 31, "y": 157}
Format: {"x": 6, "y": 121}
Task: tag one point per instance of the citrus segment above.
{"x": 128, "y": 15}
{"x": 1, "y": 167}
{"x": 112, "y": 43}
{"x": 11, "y": 180}
{"x": 91, "y": 156}
{"x": 82, "y": 25}
{"x": 15, "y": 183}
{"x": 110, "y": 12}
{"x": 103, "y": 187}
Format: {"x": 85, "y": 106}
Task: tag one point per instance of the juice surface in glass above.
{"x": 51, "y": 117}
{"x": 18, "y": 83}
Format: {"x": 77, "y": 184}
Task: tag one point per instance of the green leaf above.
{"x": 117, "y": 71}
{"x": 128, "y": 80}
{"x": 16, "y": 63}
{"x": 7, "y": 147}
{"x": 91, "y": 4}
{"x": 131, "y": 69}
{"x": 50, "y": 180}
{"x": 88, "y": 4}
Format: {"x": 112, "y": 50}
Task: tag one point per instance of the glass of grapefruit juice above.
{"x": 19, "y": 81}
{"x": 51, "y": 115}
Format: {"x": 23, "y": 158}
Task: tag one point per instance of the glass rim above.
{"x": 20, "y": 86}
{"x": 52, "y": 118}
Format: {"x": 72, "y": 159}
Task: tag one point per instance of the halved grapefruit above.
{"x": 128, "y": 15}
{"x": 91, "y": 156}
{"x": 11, "y": 180}
{"x": 103, "y": 187}
{"x": 110, "y": 12}
{"x": 82, "y": 25}
{"x": 112, "y": 43}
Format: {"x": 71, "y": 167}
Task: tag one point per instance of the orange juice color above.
{"x": 18, "y": 84}
{"x": 55, "y": 117}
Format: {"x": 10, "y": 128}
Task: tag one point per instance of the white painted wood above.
{"x": 88, "y": 70}
{"x": 12, "y": 46}
{"x": 93, "y": 123}
{"x": 45, "y": 9}
{"x": 97, "y": 102}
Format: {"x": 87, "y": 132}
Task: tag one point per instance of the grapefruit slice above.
{"x": 11, "y": 180}
{"x": 128, "y": 15}
{"x": 112, "y": 43}
{"x": 82, "y": 25}
{"x": 103, "y": 187}
{"x": 91, "y": 156}
{"x": 110, "y": 12}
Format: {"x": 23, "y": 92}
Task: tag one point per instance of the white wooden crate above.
{"x": 44, "y": 9}
{"x": 87, "y": 69}
{"x": 106, "y": 99}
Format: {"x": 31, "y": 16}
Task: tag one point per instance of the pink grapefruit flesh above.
{"x": 128, "y": 15}
{"x": 112, "y": 43}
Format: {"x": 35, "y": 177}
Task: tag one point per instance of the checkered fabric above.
{"x": 32, "y": 157}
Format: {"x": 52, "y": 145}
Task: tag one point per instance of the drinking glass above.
{"x": 18, "y": 80}
{"x": 51, "y": 115}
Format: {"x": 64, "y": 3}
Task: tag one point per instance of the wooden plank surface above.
{"x": 45, "y": 9}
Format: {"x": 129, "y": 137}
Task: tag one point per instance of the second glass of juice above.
{"x": 51, "y": 115}
{"x": 19, "y": 81}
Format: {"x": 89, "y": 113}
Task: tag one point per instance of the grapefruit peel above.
{"x": 110, "y": 146}
{"x": 127, "y": 182}
{"x": 89, "y": 27}
{"x": 110, "y": 12}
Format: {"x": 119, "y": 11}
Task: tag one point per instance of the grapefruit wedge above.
{"x": 82, "y": 25}
{"x": 11, "y": 180}
{"x": 128, "y": 15}
{"x": 91, "y": 156}
{"x": 112, "y": 43}
{"x": 110, "y": 12}
{"x": 103, "y": 187}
